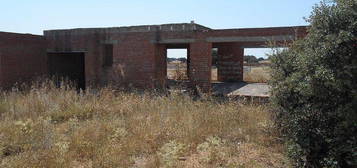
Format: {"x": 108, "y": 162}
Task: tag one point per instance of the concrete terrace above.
{"x": 241, "y": 89}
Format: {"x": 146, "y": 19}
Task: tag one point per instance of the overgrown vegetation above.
{"x": 47, "y": 126}
{"x": 260, "y": 74}
{"x": 315, "y": 89}
{"x": 252, "y": 59}
{"x": 180, "y": 72}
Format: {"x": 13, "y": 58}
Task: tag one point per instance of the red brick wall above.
{"x": 161, "y": 65}
{"x": 139, "y": 59}
{"x": 200, "y": 64}
{"x": 89, "y": 43}
{"x": 230, "y": 62}
{"x": 22, "y": 57}
{"x": 136, "y": 55}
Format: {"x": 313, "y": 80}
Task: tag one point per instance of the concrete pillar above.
{"x": 200, "y": 65}
{"x": 230, "y": 62}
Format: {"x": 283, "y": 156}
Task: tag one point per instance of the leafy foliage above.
{"x": 252, "y": 59}
{"x": 314, "y": 89}
{"x": 182, "y": 59}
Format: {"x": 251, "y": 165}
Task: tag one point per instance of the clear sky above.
{"x": 34, "y": 16}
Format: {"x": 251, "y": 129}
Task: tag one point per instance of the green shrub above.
{"x": 314, "y": 88}
{"x": 170, "y": 153}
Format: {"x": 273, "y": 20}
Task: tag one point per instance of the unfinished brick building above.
{"x": 132, "y": 55}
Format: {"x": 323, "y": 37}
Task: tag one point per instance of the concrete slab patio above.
{"x": 241, "y": 89}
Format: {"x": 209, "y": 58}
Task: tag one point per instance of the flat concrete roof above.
{"x": 140, "y": 28}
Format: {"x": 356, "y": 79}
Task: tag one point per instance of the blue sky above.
{"x": 25, "y": 16}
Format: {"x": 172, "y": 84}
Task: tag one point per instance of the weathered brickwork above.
{"x": 230, "y": 62}
{"x": 138, "y": 52}
{"x": 22, "y": 57}
{"x": 200, "y": 64}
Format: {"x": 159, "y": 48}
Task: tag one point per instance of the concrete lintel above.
{"x": 250, "y": 38}
{"x": 65, "y": 51}
{"x": 109, "y": 42}
{"x": 176, "y": 41}
{"x": 257, "y": 46}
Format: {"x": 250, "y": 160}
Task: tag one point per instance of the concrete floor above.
{"x": 230, "y": 88}
{"x": 241, "y": 89}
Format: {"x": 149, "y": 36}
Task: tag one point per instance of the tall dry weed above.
{"x": 46, "y": 126}
{"x": 257, "y": 74}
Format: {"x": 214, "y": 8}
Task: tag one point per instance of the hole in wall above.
{"x": 177, "y": 64}
{"x": 108, "y": 55}
{"x": 214, "y": 67}
{"x": 67, "y": 66}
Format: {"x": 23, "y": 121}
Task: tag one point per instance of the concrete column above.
{"x": 230, "y": 62}
{"x": 200, "y": 65}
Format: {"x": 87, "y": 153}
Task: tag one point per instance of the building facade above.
{"x": 133, "y": 55}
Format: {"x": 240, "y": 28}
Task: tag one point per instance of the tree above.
{"x": 250, "y": 59}
{"x": 314, "y": 89}
{"x": 261, "y": 59}
{"x": 182, "y": 59}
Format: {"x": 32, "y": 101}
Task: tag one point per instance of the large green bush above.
{"x": 314, "y": 88}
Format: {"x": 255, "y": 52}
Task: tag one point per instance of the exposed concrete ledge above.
{"x": 109, "y": 42}
{"x": 250, "y": 38}
{"x": 175, "y": 41}
{"x": 65, "y": 51}
{"x": 174, "y": 27}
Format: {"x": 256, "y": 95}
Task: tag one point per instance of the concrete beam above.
{"x": 250, "y": 38}
{"x": 109, "y": 42}
{"x": 176, "y": 41}
{"x": 65, "y": 51}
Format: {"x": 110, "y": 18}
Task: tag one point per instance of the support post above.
{"x": 200, "y": 65}
{"x": 230, "y": 62}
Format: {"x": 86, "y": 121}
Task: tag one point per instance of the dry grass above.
{"x": 178, "y": 71}
{"x": 256, "y": 74}
{"x": 260, "y": 74}
{"x": 214, "y": 74}
{"x": 57, "y": 127}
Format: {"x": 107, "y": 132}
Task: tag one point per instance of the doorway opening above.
{"x": 177, "y": 64}
{"x": 67, "y": 66}
{"x": 214, "y": 68}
